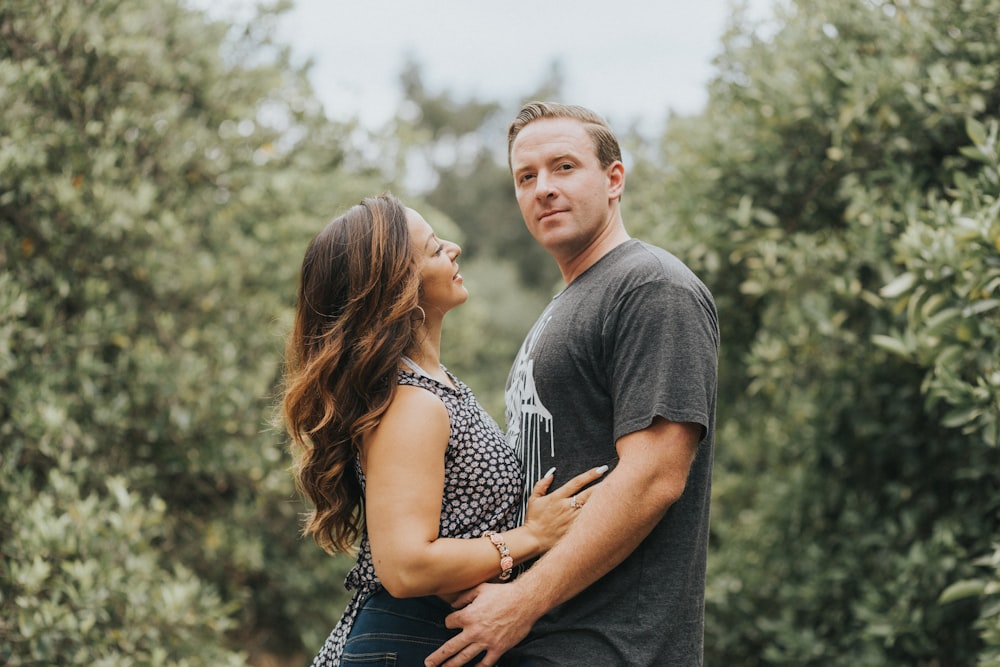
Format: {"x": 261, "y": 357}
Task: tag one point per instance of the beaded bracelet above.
{"x": 506, "y": 562}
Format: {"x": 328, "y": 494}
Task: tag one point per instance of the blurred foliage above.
{"x": 829, "y": 196}
{"x": 950, "y": 292}
{"x": 162, "y": 171}
{"x": 160, "y": 176}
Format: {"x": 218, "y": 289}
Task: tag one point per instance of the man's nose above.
{"x": 544, "y": 187}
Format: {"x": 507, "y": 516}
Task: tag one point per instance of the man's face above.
{"x": 564, "y": 194}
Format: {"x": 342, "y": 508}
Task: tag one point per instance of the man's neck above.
{"x": 609, "y": 239}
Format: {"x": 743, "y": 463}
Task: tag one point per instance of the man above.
{"x": 619, "y": 369}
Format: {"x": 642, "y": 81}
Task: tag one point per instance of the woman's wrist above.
{"x": 525, "y": 544}
{"x": 506, "y": 560}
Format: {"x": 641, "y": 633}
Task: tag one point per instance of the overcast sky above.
{"x": 627, "y": 59}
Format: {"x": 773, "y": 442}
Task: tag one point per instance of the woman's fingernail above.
{"x": 601, "y": 470}
{"x": 549, "y": 473}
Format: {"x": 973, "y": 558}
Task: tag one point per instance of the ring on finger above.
{"x": 574, "y": 503}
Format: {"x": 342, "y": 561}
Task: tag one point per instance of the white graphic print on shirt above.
{"x": 529, "y": 423}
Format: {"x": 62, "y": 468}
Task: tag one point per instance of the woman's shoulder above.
{"x": 412, "y": 416}
{"x": 416, "y": 396}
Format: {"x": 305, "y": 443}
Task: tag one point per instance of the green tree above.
{"x": 160, "y": 176}
{"x": 849, "y": 493}
{"x": 949, "y": 294}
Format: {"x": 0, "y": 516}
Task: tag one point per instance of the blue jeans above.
{"x": 397, "y": 633}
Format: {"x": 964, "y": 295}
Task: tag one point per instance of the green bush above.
{"x": 948, "y": 294}
{"x": 160, "y": 176}
{"x": 90, "y": 586}
{"x": 853, "y": 485}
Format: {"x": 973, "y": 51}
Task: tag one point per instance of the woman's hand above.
{"x": 549, "y": 516}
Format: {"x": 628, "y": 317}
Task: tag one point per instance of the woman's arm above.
{"x": 403, "y": 461}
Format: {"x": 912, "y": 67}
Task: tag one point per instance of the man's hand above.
{"x": 493, "y": 619}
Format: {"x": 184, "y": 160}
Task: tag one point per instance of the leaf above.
{"x": 976, "y": 131}
{"x": 961, "y": 590}
{"x": 893, "y": 345}
{"x": 941, "y": 318}
{"x": 898, "y": 286}
{"x": 973, "y": 153}
{"x": 980, "y": 307}
{"x": 960, "y": 417}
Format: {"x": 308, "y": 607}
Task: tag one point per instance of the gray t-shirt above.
{"x": 634, "y": 337}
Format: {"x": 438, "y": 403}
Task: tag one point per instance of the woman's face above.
{"x": 441, "y": 285}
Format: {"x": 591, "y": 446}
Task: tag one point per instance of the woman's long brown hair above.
{"x": 354, "y": 319}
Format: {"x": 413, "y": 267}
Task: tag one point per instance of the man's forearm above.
{"x": 622, "y": 511}
{"x": 610, "y": 527}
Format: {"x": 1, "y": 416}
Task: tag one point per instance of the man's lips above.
{"x": 548, "y": 214}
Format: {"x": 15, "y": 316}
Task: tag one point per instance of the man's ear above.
{"x": 616, "y": 180}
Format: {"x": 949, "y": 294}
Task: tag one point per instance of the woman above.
{"x": 393, "y": 448}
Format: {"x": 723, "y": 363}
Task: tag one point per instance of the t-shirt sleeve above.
{"x": 662, "y": 342}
